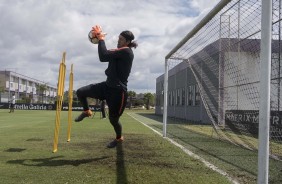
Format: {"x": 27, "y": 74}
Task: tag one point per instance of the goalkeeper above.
{"x": 114, "y": 89}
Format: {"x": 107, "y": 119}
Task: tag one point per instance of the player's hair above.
{"x": 128, "y": 35}
{"x": 133, "y": 44}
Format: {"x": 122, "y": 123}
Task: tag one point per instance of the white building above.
{"x": 26, "y": 89}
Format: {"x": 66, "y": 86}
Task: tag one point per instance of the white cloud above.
{"x": 35, "y": 33}
{"x": 203, "y": 5}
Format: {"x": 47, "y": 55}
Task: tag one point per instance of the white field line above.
{"x": 190, "y": 153}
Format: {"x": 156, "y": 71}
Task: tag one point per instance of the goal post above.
{"x": 265, "y": 76}
{"x": 165, "y": 98}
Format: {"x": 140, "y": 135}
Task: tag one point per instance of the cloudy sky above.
{"x": 35, "y": 33}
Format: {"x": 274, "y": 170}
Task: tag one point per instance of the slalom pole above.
{"x": 60, "y": 95}
{"x": 70, "y": 103}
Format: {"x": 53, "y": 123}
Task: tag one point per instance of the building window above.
{"x": 169, "y": 98}
{"x": 173, "y": 98}
{"x": 178, "y": 97}
{"x": 183, "y": 97}
{"x": 197, "y": 95}
{"x": 191, "y": 95}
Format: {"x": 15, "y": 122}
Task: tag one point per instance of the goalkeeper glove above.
{"x": 97, "y": 32}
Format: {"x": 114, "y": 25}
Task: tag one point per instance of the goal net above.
{"x": 215, "y": 74}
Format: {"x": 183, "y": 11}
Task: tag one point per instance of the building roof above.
{"x": 25, "y": 77}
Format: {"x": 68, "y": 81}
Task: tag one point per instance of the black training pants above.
{"x": 115, "y": 98}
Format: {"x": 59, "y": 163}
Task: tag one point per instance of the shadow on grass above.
{"x": 206, "y": 145}
{"x": 238, "y": 163}
{"x": 120, "y": 167}
{"x": 53, "y": 162}
{"x": 211, "y": 149}
{"x": 217, "y": 151}
{"x": 35, "y": 139}
{"x": 15, "y": 150}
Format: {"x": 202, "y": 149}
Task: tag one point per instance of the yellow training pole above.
{"x": 60, "y": 95}
{"x": 70, "y": 102}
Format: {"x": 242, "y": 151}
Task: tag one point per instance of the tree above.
{"x": 131, "y": 95}
{"x": 1, "y": 91}
{"x": 149, "y": 100}
{"x": 139, "y": 102}
{"x": 66, "y": 97}
{"x": 42, "y": 88}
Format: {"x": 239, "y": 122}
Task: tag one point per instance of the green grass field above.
{"x": 26, "y": 144}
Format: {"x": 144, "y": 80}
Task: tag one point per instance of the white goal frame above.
{"x": 265, "y": 72}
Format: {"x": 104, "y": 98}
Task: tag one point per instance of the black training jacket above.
{"x": 119, "y": 67}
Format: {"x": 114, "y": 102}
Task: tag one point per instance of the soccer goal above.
{"x": 216, "y": 76}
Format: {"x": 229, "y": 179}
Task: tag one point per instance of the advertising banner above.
{"x": 65, "y": 107}
{"x": 248, "y": 121}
